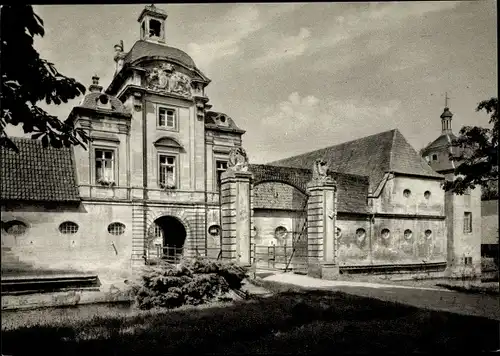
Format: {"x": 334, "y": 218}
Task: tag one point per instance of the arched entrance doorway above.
{"x": 168, "y": 235}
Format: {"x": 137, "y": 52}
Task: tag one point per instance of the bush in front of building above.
{"x": 194, "y": 281}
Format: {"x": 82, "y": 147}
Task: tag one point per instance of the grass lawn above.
{"x": 288, "y": 322}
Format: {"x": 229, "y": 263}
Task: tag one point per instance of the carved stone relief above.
{"x": 238, "y": 160}
{"x": 165, "y": 79}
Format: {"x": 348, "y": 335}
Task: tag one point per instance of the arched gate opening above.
{"x": 168, "y": 236}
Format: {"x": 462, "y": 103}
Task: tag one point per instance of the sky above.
{"x": 303, "y": 76}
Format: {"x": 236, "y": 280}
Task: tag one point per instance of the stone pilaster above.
{"x": 321, "y": 217}
{"x": 236, "y": 216}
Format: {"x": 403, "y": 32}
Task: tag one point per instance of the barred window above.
{"x": 467, "y": 222}
{"x": 15, "y": 227}
{"x": 116, "y": 228}
{"x": 155, "y": 232}
{"x": 68, "y": 227}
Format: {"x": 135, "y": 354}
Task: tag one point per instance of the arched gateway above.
{"x": 168, "y": 235}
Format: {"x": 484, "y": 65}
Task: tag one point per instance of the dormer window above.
{"x": 154, "y": 28}
{"x": 434, "y": 157}
{"x": 103, "y": 102}
{"x": 167, "y": 118}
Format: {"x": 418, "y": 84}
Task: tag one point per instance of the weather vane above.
{"x": 446, "y": 99}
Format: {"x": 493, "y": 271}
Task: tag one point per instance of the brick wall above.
{"x": 277, "y": 195}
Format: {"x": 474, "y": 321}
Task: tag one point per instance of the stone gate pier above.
{"x": 236, "y": 205}
{"x": 321, "y": 216}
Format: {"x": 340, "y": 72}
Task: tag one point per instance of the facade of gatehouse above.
{"x": 165, "y": 176}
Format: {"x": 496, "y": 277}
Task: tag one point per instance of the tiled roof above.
{"x": 352, "y": 190}
{"x": 370, "y": 156}
{"x": 90, "y": 102}
{"x": 148, "y": 49}
{"x": 442, "y": 141}
{"x": 37, "y": 173}
{"x": 211, "y": 121}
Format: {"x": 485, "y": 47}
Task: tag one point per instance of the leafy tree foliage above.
{"x": 476, "y": 153}
{"x": 28, "y": 79}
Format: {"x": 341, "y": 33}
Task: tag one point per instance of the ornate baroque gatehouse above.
{"x": 156, "y": 176}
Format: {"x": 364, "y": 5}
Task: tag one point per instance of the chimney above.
{"x": 95, "y": 87}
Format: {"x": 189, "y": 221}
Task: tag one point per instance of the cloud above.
{"x": 286, "y": 48}
{"x": 351, "y": 24}
{"x": 301, "y": 124}
{"x": 228, "y": 32}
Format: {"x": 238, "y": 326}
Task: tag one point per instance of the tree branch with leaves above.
{"x": 28, "y": 79}
{"x": 476, "y": 153}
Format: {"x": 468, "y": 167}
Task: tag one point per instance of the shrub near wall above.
{"x": 192, "y": 282}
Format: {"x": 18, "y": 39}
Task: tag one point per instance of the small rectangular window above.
{"x": 467, "y": 222}
{"x": 434, "y": 157}
{"x": 167, "y": 172}
{"x": 166, "y": 118}
{"x": 104, "y": 165}
{"x": 220, "y": 167}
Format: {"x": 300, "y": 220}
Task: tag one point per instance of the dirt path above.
{"x": 421, "y": 297}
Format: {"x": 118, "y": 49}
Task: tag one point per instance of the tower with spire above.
{"x": 438, "y": 151}
{"x": 462, "y": 212}
{"x": 446, "y": 118}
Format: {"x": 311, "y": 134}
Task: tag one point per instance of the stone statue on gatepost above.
{"x": 238, "y": 160}
{"x": 320, "y": 172}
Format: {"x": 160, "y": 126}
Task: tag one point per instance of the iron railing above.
{"x": 173, "y": 254}
{"x": 279, "y": 257}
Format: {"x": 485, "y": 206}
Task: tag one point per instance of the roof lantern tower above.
{"x": 152, "y": 22}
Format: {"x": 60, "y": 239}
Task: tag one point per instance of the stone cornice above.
{"x": 99, "y": 113}
{"x": 224, "y": 129}
{"x": 409, "y": 216}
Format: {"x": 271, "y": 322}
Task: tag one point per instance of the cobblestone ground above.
{"x": 423, "y": 297}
